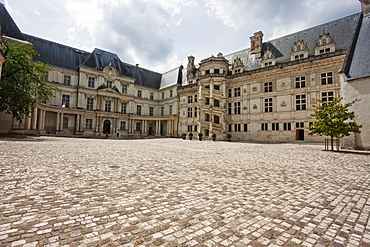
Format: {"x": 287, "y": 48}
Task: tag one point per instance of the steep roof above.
{"x": 8, "y": 26}
{"x": 171, "y": 78}
{"x": 341, "y": 30}
{"x": 358, "y": 59}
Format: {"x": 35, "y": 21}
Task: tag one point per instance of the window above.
{"x": 300, "y": 102}
{"x": 245, "y": 127}
{"x": 162, "y": 95}
{"x": 139, "y": 93}
{"x": 67, "y": 80}
{"x": 327, "y": 78}
{"x": 216, "y": 87}
{"x": 190, "y": 112}
{"x": 109, "y": 84}
{"x": 90, "y": 104}
{"x": 229, "y": 109}
{"x": 195, "y": 128}
{"x": 216, "y": 71}
{"x": 65, "y": 100}
{"x": 122, "y": 125}
{"x": 236, "y": 107}
{"x": 89, "y": 123}
{"x": 300, "y": 82}
{"x": 123, "y": 107}
{"x": 275, "y": 126}
{"x": 138, "y": 126}
{"x": 124, "y": 88}
{"x": 151, "y": 96}
{"x": 216, "y": 102}
{"x": 190, "y": 128}
{"x": 91, "y": 82}
{"x": 299, "y": 125}
{"x": 207, "y": 71}
{"x": 237, "y": 127}
{"x": 171, "y": 93}
{"x": 65, "y": 122}
{"x": 287, "y": 126}
{"x": 162, "y": 111}
{"x": 190, "y": 99}
{"x": 268, "y": 105}
{"x": 268, "y": 87}
{"x": 229, "y": 93}
{"x": 151, "y": 111}
{"x": 206, "y": 117}
{"x": 195, "y": 98}
{"x": 207, "y": 101}
{"x": 195, "y": 111}
{"x": 108, "y": 104}
{"x": 216, "y": 119}
{"x": 230, "y": 127}
{"x": 237, "y": 92}
{"x": 299, "y": 56}
{"x": 170, "y": 109}
{"x": 138, "y": 110}
{"x": 264, "y": 126}
{"x": 327, "y": 96}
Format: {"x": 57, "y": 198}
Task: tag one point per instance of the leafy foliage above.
{"x": 23, "y": 81}
{"x": 333, "y": 119}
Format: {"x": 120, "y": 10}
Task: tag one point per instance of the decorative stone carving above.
{"x": 283, "y": 104}
{"x": 255, "y": 106}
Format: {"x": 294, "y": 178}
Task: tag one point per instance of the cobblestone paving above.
{"x": 171, "y": 192}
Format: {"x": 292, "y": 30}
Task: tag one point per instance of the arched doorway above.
{"x": 106, "y": 127}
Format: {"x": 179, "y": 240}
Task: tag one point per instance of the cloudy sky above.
{"x": 160, "y": 34}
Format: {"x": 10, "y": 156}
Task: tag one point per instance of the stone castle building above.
{"x": 262, "y": 93}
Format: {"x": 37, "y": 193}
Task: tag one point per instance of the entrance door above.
{"x": 151, "y": 129}
{"x": 299, "y": 135}
{"x": 106, "y": 127}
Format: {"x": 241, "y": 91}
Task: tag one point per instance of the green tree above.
{"x": 333, "y": 119}
{"x": 23, "y": 81}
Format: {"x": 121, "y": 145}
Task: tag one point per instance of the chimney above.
{"x": 191, "y": 67}
{"x": 365, "y": 6}
{"x": 256, "y": 43}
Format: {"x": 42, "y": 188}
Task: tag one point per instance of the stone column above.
{"x": 81, "y": 122}
{"x": 40, "y": 120}
{"x": 61, "y": 121}
{"x": 77, "y": 127}
{"x": 57, "y": 127}
{"x": 34, "y": 118}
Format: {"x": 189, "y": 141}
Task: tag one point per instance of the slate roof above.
{"x": 8, "y": 26}
{"x": 358, "y": 60}
{"x": 341, "y": 30}
{"x": 170, "y": 77}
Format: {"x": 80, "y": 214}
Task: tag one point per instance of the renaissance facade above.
{"x": 263, "y": 93}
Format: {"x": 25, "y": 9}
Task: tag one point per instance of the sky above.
{"x": 159, "y": 35}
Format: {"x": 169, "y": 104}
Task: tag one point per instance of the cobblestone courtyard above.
{"x": 170, "y": 192}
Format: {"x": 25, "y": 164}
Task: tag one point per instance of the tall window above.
{"x": 299, "y": 124}
{"x": 245, "y": 127}
{"x": 268, "y": 105}
{"x": 327, "y": 78}
{"x": 108, "y": 105}
{"x": 171, "y": 93}
{"x": 268, "y": 87}
{"x": 327, "y": 96}
{"x": 195, "y": 98}
{"x": 190, "y": 127}
{"x": 236, "y": 107}
{"x": 91, "y": 82}
{"x": 138, "y": 110}
{"x": 237, "y": 92}
{"x": 190, "y": 99}
{"x": 122, "y": 125}
{"x": 300, "y": 82}
{"x": 275, "y": 126}
{"x": 287, "y": 126}
{"x": 229, "y": 108}
{"x": 162, "y": 95}
{"x": 89, "y": 123}
{"x": 230, "y": 127}
{"x": 65, "y": 122}
{"x": 264, "y": 126}
{"x": 162, "y": 111}
{"x": 216, "y": 119}
{"x": 124, "y": 88}
{"x": 109, "y": 84}
{"x": 170, "y": 109}
{"x": 195, "y": 111}
{"x": 190, "y": 112}
{"x": 139, "y": 93}
{"x": 138, "y": 126}
{"x": 229, "y": 93}
{"x": 90, "y": 104}
{"x": 67, "y": 80}
{"x": 151, "y": 111}
{"x": 300, "y": 102}
{"x": 151, "y": 96}
{"x": 236, "y": 127}
{"x": 123, "y": 107}
{"x": 65, "y": 100}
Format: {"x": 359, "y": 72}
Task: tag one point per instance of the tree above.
{"x": 333, "y": 119}
{"x": 23, "y": 81}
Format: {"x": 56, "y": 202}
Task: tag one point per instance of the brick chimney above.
{"x": 256, "y": 43}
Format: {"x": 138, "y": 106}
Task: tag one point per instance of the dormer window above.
{"x": 299, "y": 50}
{"x": 325, "y": 44}
{"x": 237, "y": 66}
{"x": 269, "y": 59}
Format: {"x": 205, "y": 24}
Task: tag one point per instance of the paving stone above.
{"x": 170, "y": 192}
